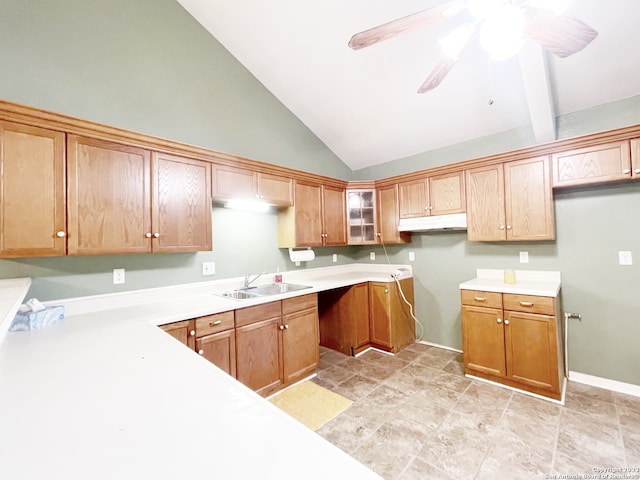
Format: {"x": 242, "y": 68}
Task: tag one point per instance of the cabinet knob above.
{"x": 386, "y": 290}
{"x": 60, "y": 234}
{"x": 637, "y": 170}
{"x": 499, "y": 320}
{"x": 200, "y": 352}
{"x": 192, "y": 333}
{"x": 501, "y": 227}
{"x": 286, "y": 326}
{"x": 506, "y": 322}
{"x": 281, "y": 327}
{"x": 429, "y": 207}
{"x": 508, "y": 227}
{"x": 147, "y": 235}
{"x": 626, "y": 171}
{"x": 156, "y": 235}
{"x": 378, "y": 234}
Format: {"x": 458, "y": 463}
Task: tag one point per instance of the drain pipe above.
{"x": 567, "y": 316}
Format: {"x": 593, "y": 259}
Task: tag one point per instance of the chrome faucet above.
{"x": 248, "y": 282}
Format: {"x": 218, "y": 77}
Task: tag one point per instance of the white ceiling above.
{"x": 363, "y": 104}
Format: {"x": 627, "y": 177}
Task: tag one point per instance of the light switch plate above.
{"x": 118, "y": 276}
{"x": 372, "y": 255}
{"x": 625, "y": 258}
{"x": 412, "y": 256}
{"x": 524, "y": 257}
{"x": 208, "y": 268}
{"x": 335, "y": 257}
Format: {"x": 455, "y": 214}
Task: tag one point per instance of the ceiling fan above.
{"x": 500, "y": 26}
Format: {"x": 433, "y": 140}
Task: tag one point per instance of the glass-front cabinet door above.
{"x": 361, "y": 215}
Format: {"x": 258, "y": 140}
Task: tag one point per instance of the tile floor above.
{"x": 415, "y": 416}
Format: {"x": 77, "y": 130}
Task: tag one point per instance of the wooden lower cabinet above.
{"x": 219, "y": 349}
{"x": 391, "y": 326}
{"x": 183, "y": 331}
{"x": 506, "y": 344}
{"x": 344, "y": 319}
{"x": 300, "y": 353}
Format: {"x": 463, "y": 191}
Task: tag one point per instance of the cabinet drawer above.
{"x": 481, "y": 299}
{"x": 248, "y": 315}
{"x": 214, "y": 323}
{"x": 296, "y": 304}
{"x": 529, "y": 303}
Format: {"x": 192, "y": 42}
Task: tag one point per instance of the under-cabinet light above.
{"x": 247, "y": 205}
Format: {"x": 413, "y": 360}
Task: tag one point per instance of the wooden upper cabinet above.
{"x": 109, "y": 198}
{"x": 635, "y": 158}
{"x": 361, "y": 217}
{"x": 231, "y": 182}
{"x": 388, "y": 217}
{"x": 181, "y": 204}
{"x": 318, "y": 217}
{"x": 510, "y": 202}
{"x": 32, "y": 189}
{"x": 436, "y": 195}
{"x": 607, "y": 162}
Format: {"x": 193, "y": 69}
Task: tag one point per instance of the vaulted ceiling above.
{"x": 364, "y": 104}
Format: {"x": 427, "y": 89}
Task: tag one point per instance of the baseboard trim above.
{"x": 616, "y": 386}
{"x": 531, "y": 394}
{"x": 437, "y": 345}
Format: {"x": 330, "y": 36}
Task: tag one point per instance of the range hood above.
{"x": 456, "y": 221}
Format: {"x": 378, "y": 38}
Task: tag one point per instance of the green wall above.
{"x": 149, "y": 67}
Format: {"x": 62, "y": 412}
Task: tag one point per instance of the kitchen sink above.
{"x": 262, "y": 291}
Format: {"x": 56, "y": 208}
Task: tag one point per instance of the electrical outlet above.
{"x": 524, "y": 257}
{"x": 208, "y": 268}
{"x": 372, "y": 255}
{"x": 335, "y": 257}
{"x": 412, "y": 256}
{"x": 625, "y": 258}
{"x": 118, "y": 276}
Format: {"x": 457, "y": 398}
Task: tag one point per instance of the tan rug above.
{"x": 311, "y": 404}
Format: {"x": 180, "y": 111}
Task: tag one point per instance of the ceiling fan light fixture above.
{"x": 455, "y": 41}
{"x": 481, "y": 9}
{"x": 501, "y": 33}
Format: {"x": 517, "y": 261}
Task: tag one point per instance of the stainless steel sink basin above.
{"x": 277, "y": 288}
{"x": 262, "y": 291}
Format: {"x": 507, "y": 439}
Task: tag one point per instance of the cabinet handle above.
{"x": 499, "y": 320}
{"x": 626, "y": 171}
{"x": 147, "y": 235}
{"x": 200, "y": 352}
{"x": 213, "y": 324}
{"x": 156, "y": 235}
{"x": 508, "y": 227}
{"x": 480, "y": 299}
{"x": 192, "y": 333}
{"x": 526, "y": 304}
{"x": 506, "y": 322}
{"x": 637, "y": 170}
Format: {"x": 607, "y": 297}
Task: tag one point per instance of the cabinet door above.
{"x": 447, "y": 194}
{"x": 601, "y": 163}
{"x": 528, "y": 200}
{"x": 531, "y": 350}
{"x": 275, "y": 190}
{"x": 300, "y": 344}
{"x": 32, "y": 211}
{"x": 258, "y": 355}
{"x": 485, "y": 204}
{"x": 483, "y": 340}
{"x": 182, "y": 331}
{"x": 388, "y": 217}
{"x": 413, "y": 199}
{"x": 379, "y": 314}
{"x": 109, "y": 204}
{"x": 308, "y": 215}
{"x": 181, "y": 204}
{"x": 403, "y": 326}
{"x": 361, "y": 214}
{"x": 334, "y": 216}
{"x": 635, "y": 158}
{"x": 359, "y": 313}
{"x": 230, "y": 182}
{"x": 219, "y": 349}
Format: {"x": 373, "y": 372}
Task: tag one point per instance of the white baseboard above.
{"x": 439, "y": 346}
{"x": 616, "y": 386}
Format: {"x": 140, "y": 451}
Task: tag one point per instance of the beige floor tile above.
{"x": 429, "y": 414}
{"x": 386, "y": 396}
{"x": 419, "y": 348}
{"x": 432, "y": 361}
{"x": 631, "y": 440}
{"x": 356, "y": 387}
{"x": 335, "y": 374}
{"x": 589, "y": 391}
{"x": 564, "y": 465}
{"x": 598, "y": 409}
{"x": 629, "y": 417}
{"x": 625, "y": 400}
{"x": 449, "y": 381}
{"x": 455, "y": 366}
{"x": 408, "y": 384}
{"x": 421, "y": 470}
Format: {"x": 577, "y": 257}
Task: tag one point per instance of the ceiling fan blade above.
{"x": 405, "y": 24}
{"x": 562, "y": 35}
{"x": 436, "y": 76}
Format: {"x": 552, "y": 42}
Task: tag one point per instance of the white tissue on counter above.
{"x": 33, "y": 315}
{"x": 32, "y": 305}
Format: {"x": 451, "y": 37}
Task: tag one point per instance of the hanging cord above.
{"x": 395, "y": 277}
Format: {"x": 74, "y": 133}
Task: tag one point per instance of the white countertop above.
{"x": 528, "y": 282}
{"x": 105, "y": 394}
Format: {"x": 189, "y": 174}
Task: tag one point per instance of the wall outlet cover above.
{"x": 524, "y": 257}
{"x": 625, "y": 258}
{"x": 372, "y": 255}
{"x": 118, "y": 276}
{"x": 208, "y": 268}
{"x": 412, "y": 256}
{"x": 335, "y": 257}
